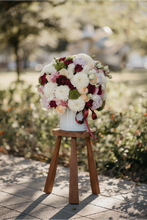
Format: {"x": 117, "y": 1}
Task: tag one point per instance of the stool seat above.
{"x": 59, "y": 132}
{"x": 73, "y": 182}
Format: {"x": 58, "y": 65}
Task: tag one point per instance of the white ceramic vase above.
{"x": 68, "y": 122}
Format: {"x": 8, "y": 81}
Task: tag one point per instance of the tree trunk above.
{"x": 17, "y": 62}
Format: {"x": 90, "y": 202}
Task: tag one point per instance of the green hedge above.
{"x": 26, "y": 130}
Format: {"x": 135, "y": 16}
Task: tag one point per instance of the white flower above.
{"x": 80, "y": 80}
{"x": 104, "y": 95}
{"x": 86, "y": 69}
{"x": 76, "y": 105}
{"x": 63, "y": 72}
{"x": 49, "y": 90}
{"x": 71, "y": 68}
{"x": 97, "y": 102}
{"x": 44, "y": 102}
{"x": 92, "y": 76}
{"x": 93, "y": 71}
{"x": 85, "y": 56}
{"x": 62, "y": 93}
{"x": 104, "y": 80}
{"x": 95, "y": 97}
{"x": 48, "y": 69}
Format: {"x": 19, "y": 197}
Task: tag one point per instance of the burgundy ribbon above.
{"x": 85, "y": 114}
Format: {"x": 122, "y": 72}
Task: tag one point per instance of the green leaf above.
{"x": 39, "y": 80}
{"x": 101, "y": 108}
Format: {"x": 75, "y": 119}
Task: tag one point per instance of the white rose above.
{"x": 63, "y": 72}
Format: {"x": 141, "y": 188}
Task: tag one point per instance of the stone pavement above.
{"x": 22, "y": 197}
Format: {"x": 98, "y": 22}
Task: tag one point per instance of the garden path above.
{"x": 22, "y": 197}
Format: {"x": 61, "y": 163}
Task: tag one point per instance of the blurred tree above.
{"x": 6, "y": 5}
{"x": 19, "y": 23}
{"x": 14, "y": 27}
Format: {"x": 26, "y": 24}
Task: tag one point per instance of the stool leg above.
{"x": 73, "y": 187}
{"x": 53, "y": 166}
{"x": 92, "y": 169}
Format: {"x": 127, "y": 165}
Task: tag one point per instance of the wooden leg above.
{"x": 53, "y": 166}
{"x": 92, "y": 169}
{"x": 73, "y": 187}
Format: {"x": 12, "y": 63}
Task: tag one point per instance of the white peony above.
{"x": 80, "y": 80}
{"x": 71, "y": 68}
{"x": 85, "y": 56}
{"x": 62, "y": 93}
{"x": 48, "y": 69}
{"x": 76, "y": 105}
{"x": 49, "y": 90}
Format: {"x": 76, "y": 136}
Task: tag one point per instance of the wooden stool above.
{"x": 73, "y": 185}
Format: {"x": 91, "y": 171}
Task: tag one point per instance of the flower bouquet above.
{"x": 74, "y": 82}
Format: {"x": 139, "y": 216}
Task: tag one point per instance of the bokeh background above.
{"x": 31, "y": 34}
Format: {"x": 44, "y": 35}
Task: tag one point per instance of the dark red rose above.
{"x": 53, "y": 104}
{"x": 100, "y": 90}
{"x": 67, "y": 62}
{"x": 61, "y": 80}
{"x": 78, "y": 68}
{"x": 62, "y": 59}
{"x": 43, "y": 79}
{"x": 91, "y": 88}
{"x": 70, "y": 85}
{"x": 94, "y": 116}
{"x": 89, "y": 104}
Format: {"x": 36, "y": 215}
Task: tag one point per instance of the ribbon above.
{"x": 85, "y": 114}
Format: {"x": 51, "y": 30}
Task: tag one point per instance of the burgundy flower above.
{"x": 70, "y": 85}
{"x": 100, "y": 90}
{"x": 62, "y": 59}
{"x": 91, "y": 88}
{"x": 89, "y": 104}
{"x": 67, "y": 62}
{"x": 61, "y": 80}
{"x": 53, "y": 104}
{"x": 78, "y": 68}
{"x": 43, "y": 79}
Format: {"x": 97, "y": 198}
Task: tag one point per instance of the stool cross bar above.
{"x": 73, "y": 182}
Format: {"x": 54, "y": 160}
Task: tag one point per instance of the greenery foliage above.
{"x": 26, "y": 130}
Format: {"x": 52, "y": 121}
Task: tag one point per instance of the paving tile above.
{"x": 107, "y": 215}
{"x": 77, "y": 217}
{"x": 23, "y": 217}
{"x": 21, "y": 191}
{"x": 82, "y": 208}
{"x": 55, "y": 200}
{"x": 45, "y": 212}
{"x": 7, "y": 213}
{"x": 9, "y": 199}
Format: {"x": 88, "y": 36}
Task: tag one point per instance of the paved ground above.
{"x": 22, "y": 197}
